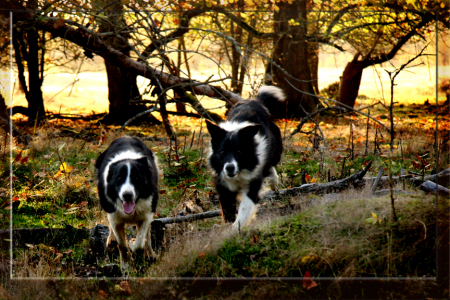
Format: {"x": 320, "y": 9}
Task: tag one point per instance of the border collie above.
{"x": 244, "y": 150}
{"x": 127, "y": 179}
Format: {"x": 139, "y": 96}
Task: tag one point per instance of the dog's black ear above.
{"x": 99, "y": 160}
{"x": 247, "y": 133}
{"x": 143, "y": 160}
{"x": 217, "y": 133}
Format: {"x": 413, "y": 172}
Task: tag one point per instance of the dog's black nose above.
{"x": 230, "y": 169}
{"x": 127, "y": 197}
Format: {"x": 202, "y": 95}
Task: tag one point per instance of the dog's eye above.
{"x": 119, "y": 178}
{"x": 222, "y": 154}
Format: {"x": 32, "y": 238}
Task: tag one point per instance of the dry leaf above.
{"x": 307, "y": 282}
{"x": 102, "y": 294}
{"x": 308, "y": 258}
{"x": 254, "y": 239}
{"x": 125, "y": 288}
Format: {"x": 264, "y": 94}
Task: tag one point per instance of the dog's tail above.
{"x": 269, "y": 95}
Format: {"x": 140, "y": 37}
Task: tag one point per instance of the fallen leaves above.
{"x": 64, "y": 169}
{"x": 307, "y": 282}
{"x": 374, "y": 219}
{"x": 254, "y": 239}
{"x": 308, "y": 258}
{"x": 102, "y": 294}
{"x": 125, "y": 287}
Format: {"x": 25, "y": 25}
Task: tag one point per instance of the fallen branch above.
{"x": 431, "y": 187}
{"x": 377, "y": 180}
{"x": 318, "y": 188}
{"x": 188, "y": 218}
{"x": 442, "y": 178}
{"x": 354, "y": 180}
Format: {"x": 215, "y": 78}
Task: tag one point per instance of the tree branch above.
{"x": 89, "y": 41}
{"x": 428, "y": 17}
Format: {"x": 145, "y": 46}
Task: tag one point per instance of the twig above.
{"x": 70, "y": 84}
{"x": 200, "y": 134}
{"x": 154, "y": 108}
{"x": 377, "y": 180}
{"x": 343, "y": 168}
{"x": 340, "y": 104}
{"x": 392, "y": 76}
{"x": 192, "y": 140}
{"x": 391, "y": 188}
{"x": 351, "y": 141}
{"x": 184, "y": 146}
{"x": 367, "y": 134}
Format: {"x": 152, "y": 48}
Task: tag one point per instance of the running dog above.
{"x": 244, "y": 151}
{"x": 127, "y": 180}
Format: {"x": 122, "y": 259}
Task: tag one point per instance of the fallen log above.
{"x": 431, "y": 187}
{"x": 442, "y": 178}
{"x": 354, "y": 180}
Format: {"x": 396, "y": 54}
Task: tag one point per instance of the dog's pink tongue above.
{"x": 128, "y": 206}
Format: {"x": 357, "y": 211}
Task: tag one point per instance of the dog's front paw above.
{"x": 136, "y": 247}
{"x": 236, "y": 227}
{"x": 111, "y": 241}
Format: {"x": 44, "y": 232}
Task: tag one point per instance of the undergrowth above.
{"x": 326, "y": 236}
{"x": 329, "y": 239}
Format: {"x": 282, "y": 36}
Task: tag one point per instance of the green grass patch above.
{"x": 329, "y": 240}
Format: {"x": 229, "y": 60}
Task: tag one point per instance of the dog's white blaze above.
{"x": 246, "y": 211}
{"x": 243, "y": 177}
{"x": 127, "y": 186}
{"x": 118, "y": 157}
{"x": 129, "y": 154}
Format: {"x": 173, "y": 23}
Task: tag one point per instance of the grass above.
{"x": 327, "y": 241}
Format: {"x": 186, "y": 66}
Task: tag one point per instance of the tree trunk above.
{"x": 236, "y": 33}
{"x": 7, "y": 124}
{"x": 313, "y": 62}
{"x": 36, "y": 105}
{"x": 122, "y": 86}
{"x": 26, "y": 48}
{"x": 291, "y": 54}
{"x": 350, "y": 82}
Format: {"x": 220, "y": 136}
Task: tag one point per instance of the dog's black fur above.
{"x": 244, "y": 150}
{"x": 127, "y": 179}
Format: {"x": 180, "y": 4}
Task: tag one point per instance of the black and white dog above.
{"x": 127, "y": 179}
{"x": 244, "y": 150}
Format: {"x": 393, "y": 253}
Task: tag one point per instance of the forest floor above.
{"x": 338, "y": 245}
